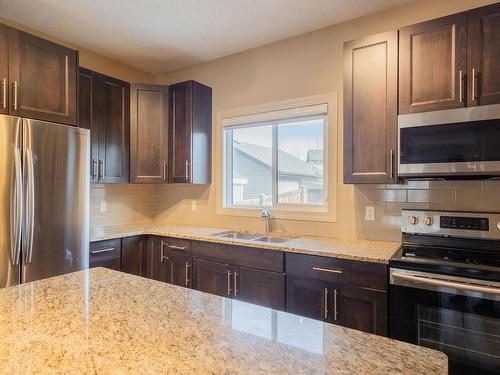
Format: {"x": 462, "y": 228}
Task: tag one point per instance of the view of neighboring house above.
{"x": 299, "y": 181}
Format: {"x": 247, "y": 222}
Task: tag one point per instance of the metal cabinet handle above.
{"x": 15, "y": 94}
{"x": 325, "y": 303}
{"x": 474, "y": 84}
{"x": 335, "y": 304}
{"x": 163, "y": 257}
{"x": 460, "y": 85}
{"x": 187, "y": 274}
{"x": 229, "y": 273}
{"x": 391, "y": 164}
{"x": 236, "y": 291}
{"x": 327, "y": 270}
{"x": 102, "y": 250}
{"x": 177, "y": 247}
{"x": 187, "y": 170}
{"x": 165, "y": 171}
{"x": 4, "y": 89}
{"x": 100, "y": 170}
{"x": 94, "y": 168}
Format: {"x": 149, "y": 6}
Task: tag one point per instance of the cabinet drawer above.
{"x": 176, "y": 245}
{"x": 269, "y": 260}
{"x": 105, "y": 254}
{"x": 362, "y": 274}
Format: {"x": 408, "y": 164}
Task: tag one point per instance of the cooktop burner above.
{"x": 466, "y": 257}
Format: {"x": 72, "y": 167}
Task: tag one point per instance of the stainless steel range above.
{"x": 445, "y": 287}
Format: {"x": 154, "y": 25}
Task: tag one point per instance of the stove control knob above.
{"x": 413, "y": 220}
{"x": 428, "y": 221}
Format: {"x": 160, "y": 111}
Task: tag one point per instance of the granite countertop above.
{"x": 107, "y": 322}
{"x": 369, "y": 251}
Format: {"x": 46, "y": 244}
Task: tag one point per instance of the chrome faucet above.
{"x": 266, "y": 215}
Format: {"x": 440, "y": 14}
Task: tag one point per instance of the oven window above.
{"x": 451, "y": 143}
{"x": 467, "y": 339}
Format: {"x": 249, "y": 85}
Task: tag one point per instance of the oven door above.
{"x": 458, "y": 316}
{"x": 452, "y": 142}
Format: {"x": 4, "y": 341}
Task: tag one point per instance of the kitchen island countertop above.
{"x": 102, "y": 321}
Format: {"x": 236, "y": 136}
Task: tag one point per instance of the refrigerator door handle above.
{"x": 17, "y": 209}
{"x": 30, "y": 207}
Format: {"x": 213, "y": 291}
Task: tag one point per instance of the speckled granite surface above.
{"x": 370, "y": 251}
{"x": 108, "y": 322}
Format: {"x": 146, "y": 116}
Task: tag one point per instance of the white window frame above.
{"x": 290, "y": 109}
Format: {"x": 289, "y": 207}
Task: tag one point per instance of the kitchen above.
{"x": 260, "y": 192}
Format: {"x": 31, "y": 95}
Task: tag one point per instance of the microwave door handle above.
{"x": 446, "y": 284}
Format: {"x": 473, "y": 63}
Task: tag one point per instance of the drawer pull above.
{"x": 102, "y": 250}
{"x": 327, "y": 270}
{"x": 177, "y": 247}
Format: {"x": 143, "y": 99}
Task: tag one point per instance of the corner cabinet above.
{"x": 370, "y": 109}
{"x": 105, "y": 110}
{"x": 38, "y": 78}
{"x": 190, "y": 133}
{"x": 148, "y": 134}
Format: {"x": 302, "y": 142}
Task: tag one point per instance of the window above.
{"x": 276, "y": 159}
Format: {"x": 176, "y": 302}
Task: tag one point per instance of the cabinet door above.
{"x": 483, "y": 60}
{"x": 363, "y": 309}
{"x": 263, "y": 288}
{"x": 432, "y": 65}
{"x": 87, "y": 115}
{"x": 310, "y": 298}
{"x": 179, "y": 269}
{"x": 105, "y": 254}
{"x": 114, "y": 130}
{"x": 148, "y": 134}
{"x": 43, "y": 78}
{"x": 156, "y": 260}
{"x": 134, "y": 255}
{"x": 180, "y": 132}
{"x": 370, "y": 109}
{"x": 4, "y": 70}
{"x": 212, "y": 277}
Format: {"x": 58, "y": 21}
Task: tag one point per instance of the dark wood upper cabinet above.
{"x": 88, "y": 89}
{"x": 433, "y": 65}
{"x": 483, "y": 55}
{"x": 105, "y": 110}
{"x": 4, "y": 70}
{"x": 148, "y": 134}
{"x": 370, "y": 109}
{"x": 190, "y": 133}
{"x": 42, "y": 78}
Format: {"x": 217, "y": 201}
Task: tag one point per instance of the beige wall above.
{"x": 307, "y": 65}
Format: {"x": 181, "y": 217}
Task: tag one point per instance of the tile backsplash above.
{"x": 171, "y": 204}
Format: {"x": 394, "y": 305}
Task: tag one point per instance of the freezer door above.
{"x": 56, "y": 187}
{"x": 10, "y": 199}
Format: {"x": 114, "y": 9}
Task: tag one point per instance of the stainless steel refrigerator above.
{"x": 44, "y": 199}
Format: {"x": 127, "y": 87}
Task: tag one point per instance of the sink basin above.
{"x": 273, "y": 239}
{"x": 237, "y": 235}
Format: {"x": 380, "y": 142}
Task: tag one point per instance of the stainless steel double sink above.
{"x": 237, "y": 235}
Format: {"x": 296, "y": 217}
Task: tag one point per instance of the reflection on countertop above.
{"x": 102, "y": 321}
{"x": 364, "y": 250}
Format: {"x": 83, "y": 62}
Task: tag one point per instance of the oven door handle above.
{"x": 438, "y": 282}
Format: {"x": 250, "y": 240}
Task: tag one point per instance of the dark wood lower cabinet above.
{"x": 212, "y": 277}
{"x": 106, "y": 254}
{"x": 260, "y": 287}
{"x": 156, "y": 265}
{"x": 134, "y": 255}
{"x": 179, "y": 269}
{"x": 309, "y": 297}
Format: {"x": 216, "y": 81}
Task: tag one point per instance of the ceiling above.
{"x": 162, "y": 35}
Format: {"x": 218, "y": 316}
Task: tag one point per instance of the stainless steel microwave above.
{"x": 450, "y": 143}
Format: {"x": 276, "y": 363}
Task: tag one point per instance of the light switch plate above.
{"x": 194, "y": 206}
{"x": 369, "y": 213}
{"x": 103, "y": 206}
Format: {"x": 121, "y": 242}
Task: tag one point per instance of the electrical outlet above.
{"x": 369, "y": 213}
{"x": 194, "y": 206}
{"x": 103, "y": 206}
